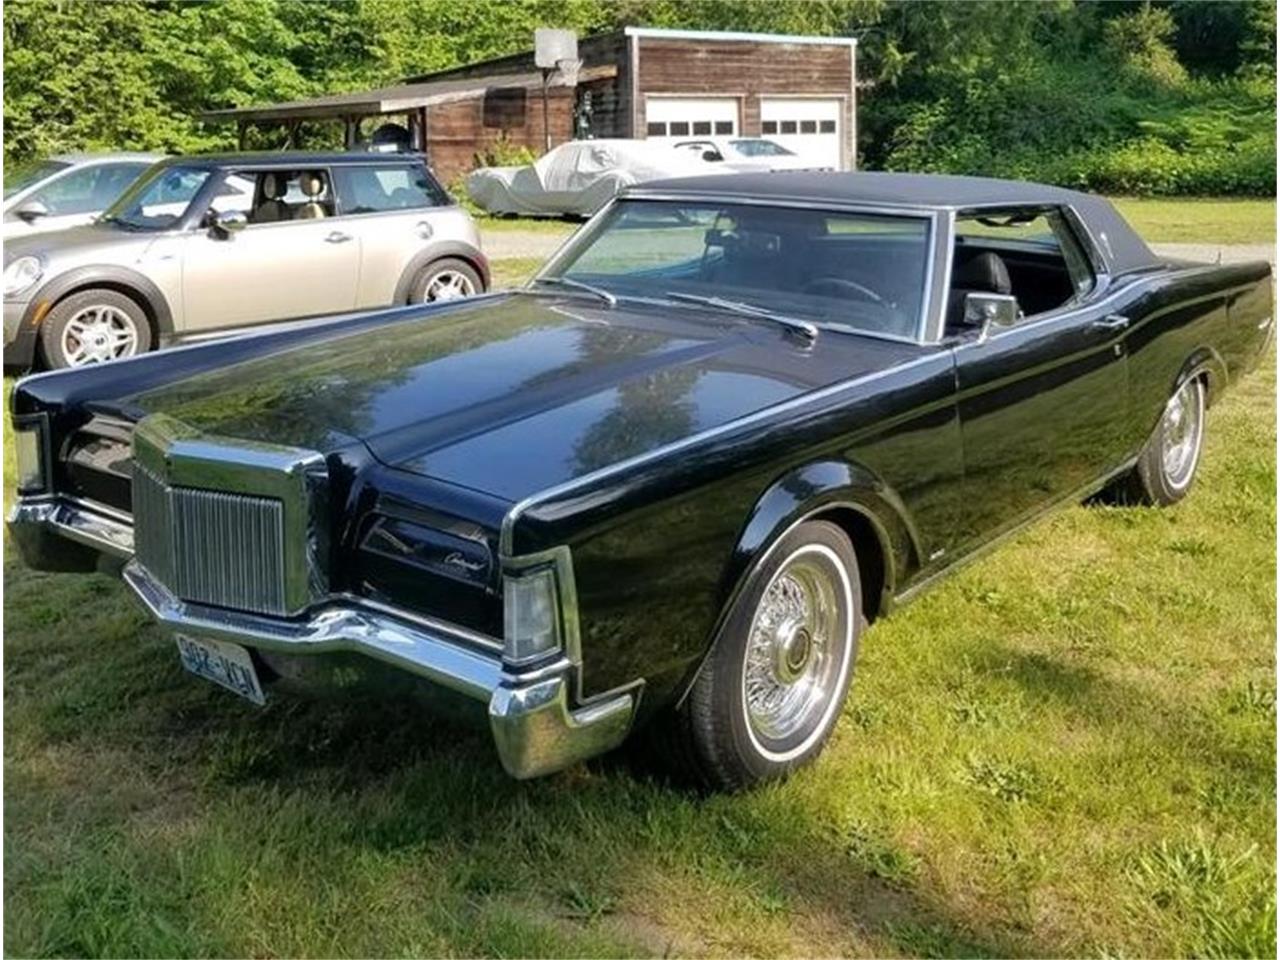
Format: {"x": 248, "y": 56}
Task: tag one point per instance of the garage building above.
{"x": 640, "y": 82}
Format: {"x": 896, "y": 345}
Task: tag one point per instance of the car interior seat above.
{"x": 312, "y": 185}
{"x": 272, "y": 208}
{"x": 974, "y": 272}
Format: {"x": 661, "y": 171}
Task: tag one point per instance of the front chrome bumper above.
{"x": 535, "y": 725}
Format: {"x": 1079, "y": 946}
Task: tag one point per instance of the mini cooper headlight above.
{"x": 531, "y": 614}
{"x": 21, "y": 274}
{"x": 29, "y": 455}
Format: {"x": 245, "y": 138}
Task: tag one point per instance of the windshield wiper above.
{"x": 604, "y": 295}
{"x": 802, "y": 327}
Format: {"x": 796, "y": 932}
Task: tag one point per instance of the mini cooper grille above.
{"x": 224, "y": 549}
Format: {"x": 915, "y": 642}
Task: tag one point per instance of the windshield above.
{"x": 18, "y": 177}
{"x": 859, "y": 271}
{"x": 159, "y": 199}
{"x": 760, "y": 148}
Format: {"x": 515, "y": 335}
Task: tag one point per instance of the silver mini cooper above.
{"x": 200, "y": 246}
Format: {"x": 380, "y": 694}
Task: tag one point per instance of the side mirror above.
{"x": 229, "y": 221}
{"x": 711, "y": 156}
{"x": 31, "y": 211}
{"x": 987, "y": 310}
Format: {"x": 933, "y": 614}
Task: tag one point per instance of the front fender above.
{"x": 811, "y": 490}
{"x": 103, "y": 275}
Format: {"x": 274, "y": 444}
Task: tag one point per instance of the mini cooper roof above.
{"x": 1121, "y": 247}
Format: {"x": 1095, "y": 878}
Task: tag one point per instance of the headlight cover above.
{"x": 30, "y": 448}
{"x": 531, "y": 615}
{"x": 21, "y": 274}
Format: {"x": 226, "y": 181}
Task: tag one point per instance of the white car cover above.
{"x": 580, "y": 177}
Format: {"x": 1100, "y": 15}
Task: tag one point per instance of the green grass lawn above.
{"x": 512, "y": 271}
{"x": 1067, "y": 749}
{"x": 1201, "y": 219}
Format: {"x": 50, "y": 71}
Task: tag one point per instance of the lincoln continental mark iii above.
{"x": 668, "y": 483}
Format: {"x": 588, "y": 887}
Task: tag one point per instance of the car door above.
{"x": 279, "y": 265}
{"x": 395, "y": 210}
{"x": 1043, "y": 403}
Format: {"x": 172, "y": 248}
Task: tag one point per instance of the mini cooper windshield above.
{"x": 159, "y": 199}
{"x": 834, "y": 269}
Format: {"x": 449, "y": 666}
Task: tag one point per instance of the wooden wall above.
{"x": 457, "y": 132}
{"x": 747, "y": 70}
{"x": 744, "y": 69}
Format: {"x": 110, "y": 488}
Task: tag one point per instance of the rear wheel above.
{"x": 768, "y": 696}
{"x": 94, "y": 326}
{"x": 446, "y": 279}
{"x": 1167, "y": 465}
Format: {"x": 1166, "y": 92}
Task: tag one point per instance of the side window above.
{"x": 378, "y": 189}
{"x": 1033, "y": 254}
{"x": 275, "y": 196}
{"x": 72, "y": 194}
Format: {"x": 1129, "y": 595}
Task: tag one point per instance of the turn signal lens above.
{"x": 28, "y": 448}
{"x": 531, "y": 616}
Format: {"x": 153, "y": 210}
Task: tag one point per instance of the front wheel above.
{"x": 446, "y": 279}
{"x": 768, "y": 696}
{"x": 94, "y": 326}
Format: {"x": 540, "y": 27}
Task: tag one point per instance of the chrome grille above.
{"x": 223, "y": 549}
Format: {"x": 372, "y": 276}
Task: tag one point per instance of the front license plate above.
{"x": 226, "y": 664}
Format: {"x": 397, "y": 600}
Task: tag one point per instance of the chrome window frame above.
{"x": 1102, "y": 287}
{"x": 930, "y": 301}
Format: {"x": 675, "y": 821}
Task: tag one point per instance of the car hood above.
{"x": 514, "y": 394}
{"x": 72, "y": 242}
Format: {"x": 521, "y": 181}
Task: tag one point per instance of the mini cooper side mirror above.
{"x": 987, "y": 310}
{"x": 31, "y": 211}
{"x": 229, "y": 221}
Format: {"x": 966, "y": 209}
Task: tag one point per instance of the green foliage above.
{"x": 1129, "y": 121}
{"x": 1163, "y": 98}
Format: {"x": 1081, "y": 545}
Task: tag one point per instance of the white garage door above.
{"x": 678, "y": 118}
{"x": 811, "y": 128}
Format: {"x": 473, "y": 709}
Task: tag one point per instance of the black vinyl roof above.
{"x": 1117, "y": 242}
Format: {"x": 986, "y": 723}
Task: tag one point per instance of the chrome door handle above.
{"x": 337, "y": 237}
{"x": 1112, "y": 322}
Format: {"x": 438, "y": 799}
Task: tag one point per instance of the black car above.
{"x": 732, "y": 422}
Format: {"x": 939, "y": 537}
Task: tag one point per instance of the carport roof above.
{"x": 396, "y": 99}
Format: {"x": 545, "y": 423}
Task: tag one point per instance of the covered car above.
{"x": 579, "y": 177}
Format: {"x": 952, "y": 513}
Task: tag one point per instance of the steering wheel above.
{"x": 826, "y": 286}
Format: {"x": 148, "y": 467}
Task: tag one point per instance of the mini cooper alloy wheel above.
{"x": 448, "y": 285}
{"x": 797, "y": 657}
{"x": 98, "y": 334}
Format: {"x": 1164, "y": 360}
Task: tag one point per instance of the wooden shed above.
{"x": 640, "y": 82}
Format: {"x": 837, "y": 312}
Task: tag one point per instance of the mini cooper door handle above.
{"x": 1112, "y": 322}
{"x": 337, "y": 237}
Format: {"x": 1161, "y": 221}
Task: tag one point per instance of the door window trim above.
{"x": 1100, "y": 292}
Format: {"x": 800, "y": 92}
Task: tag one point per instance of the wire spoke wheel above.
{"x": 797, "y": 651}
{"x": 1181, "y": 433}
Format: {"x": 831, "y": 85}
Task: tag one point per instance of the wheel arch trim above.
{"x": 129, "y": 282}
{"x": 438, "y": 251}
